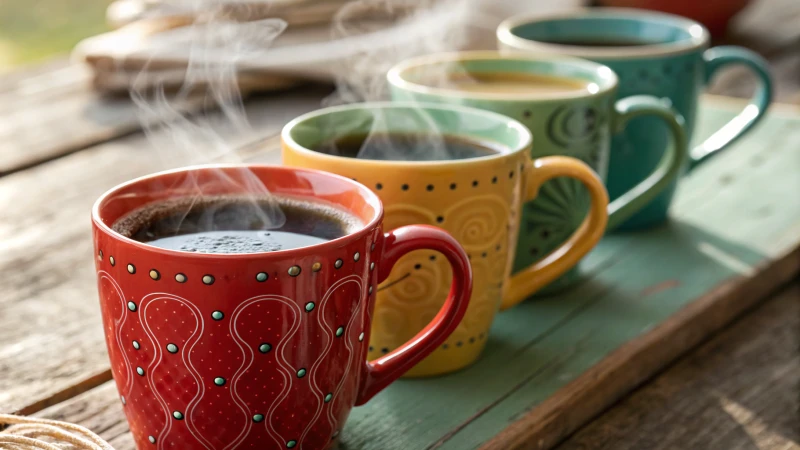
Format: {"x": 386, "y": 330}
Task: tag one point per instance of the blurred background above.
{"x": 111, "y": 36}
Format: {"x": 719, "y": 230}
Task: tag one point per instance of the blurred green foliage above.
{"x": 32, "y": 30}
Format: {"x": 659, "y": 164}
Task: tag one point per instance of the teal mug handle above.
{"x": 718, "y": 57}
{"x": 669, "y": 167}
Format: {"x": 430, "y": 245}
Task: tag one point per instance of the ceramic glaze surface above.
{"x": 675, "y": 66}
{"x": 476, "y": 200}
{"x": 262, "y": 351}
{"x": 577, "y": 124}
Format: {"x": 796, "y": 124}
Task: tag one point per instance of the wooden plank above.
{"x": 49, "y": 114}
{"x": 51, "y": 348}
{"x": 736, "y": 392}
{"x": 750, "y": 365}
{"x": 734, "y": 218}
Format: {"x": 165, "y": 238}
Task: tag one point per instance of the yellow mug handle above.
{"x": 567, "y": 255}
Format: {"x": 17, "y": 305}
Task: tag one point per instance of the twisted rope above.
{"x": 26, "y": 433}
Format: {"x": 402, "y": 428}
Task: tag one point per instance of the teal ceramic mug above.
{"x": 570, "y": 106}
{"x": 654, "y": 54}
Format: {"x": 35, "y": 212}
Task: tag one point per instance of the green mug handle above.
{"x": 718, "y": 57}
{"x": 669, "y": 167}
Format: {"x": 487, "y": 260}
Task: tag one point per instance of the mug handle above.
{"x": 383, "y": 371}
{"x": 714, "y": 59}
{"x": 542, "y": 272}
{"x": 668, "y": 169}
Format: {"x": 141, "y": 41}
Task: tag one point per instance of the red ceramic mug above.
{"x": 255, "y": 350}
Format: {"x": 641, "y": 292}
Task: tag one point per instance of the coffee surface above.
{"x": 235, "y": 224}
{"x": 512, "y": 83}
{"x": 406, "y": 147}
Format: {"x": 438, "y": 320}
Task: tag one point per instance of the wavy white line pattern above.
{"x": 351, "y": 355}
{"x": 330, "y": 335}
{"x": 103, "y": 275}
{"x": 185, "y": 357}
{"x": 288, "y": 372}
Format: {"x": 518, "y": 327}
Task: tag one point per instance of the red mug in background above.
{"x": 255, "y": 350}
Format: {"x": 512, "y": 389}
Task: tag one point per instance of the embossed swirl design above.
{"x": 476, "y": 222}
{"x": 403, "y": 214}
{"x": 577, "y": 129}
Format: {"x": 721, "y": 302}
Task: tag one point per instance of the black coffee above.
{"x": 235, "y": 224}
{"x": 406, "y": 147}
{"x": 598, "y": 42}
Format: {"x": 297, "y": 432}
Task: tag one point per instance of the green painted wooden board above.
{"x": 734, "y": 233}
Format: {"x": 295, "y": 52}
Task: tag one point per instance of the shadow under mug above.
{"x": 475, "y": 199}
{"x": 576, "y": 118}
{"x": 666, "y": 56}
{"x": 258, "y": 350}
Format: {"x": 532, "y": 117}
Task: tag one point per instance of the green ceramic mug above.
{"x": 570, "y": 106}
{"x": 653, "y": 54}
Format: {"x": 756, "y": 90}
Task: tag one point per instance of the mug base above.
{"x": 451, "y": 359}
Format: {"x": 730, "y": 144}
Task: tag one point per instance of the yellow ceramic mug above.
{"x": 476, "y": 199}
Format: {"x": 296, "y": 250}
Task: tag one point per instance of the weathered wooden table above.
{"x": 731, "y": 251}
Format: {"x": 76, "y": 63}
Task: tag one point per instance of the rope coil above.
{"x": 27, "y": 433}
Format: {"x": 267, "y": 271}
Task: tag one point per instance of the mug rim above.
{"x": 605, "y": 78}
{"x": 365, "y": 229}
{"x": 524, "y": 134}
{"x": 699, "y": 35}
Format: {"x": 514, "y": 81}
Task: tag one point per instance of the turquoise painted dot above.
{"x": 177, "y": 415}
{"x": 172, "y": 348}
{"x": 339, "y": 331}
{"x": 122, "y": 399}
{"x": 310, "y": 306}
{"x": 217, "y": 315}
{"x": 291, "y": 444}
{"x": 140, "y": 371}
{"x": 219, "y": 381}
{"x": 258, "y": 418}
{"x": 152, "y": 439}
{"x": 361, "y": 337}
{"x": 136, "y": 345}
{"x": 328, "y": 397}
{"x": 264, "y": 348}
{"x": 301, "y": 373}
{"x": 132, "y": 306}
{"x": 262, "y": 277}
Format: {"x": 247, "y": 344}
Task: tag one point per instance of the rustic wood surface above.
{"x": 736, "y": 392}
{"x": 62, "y": 146}
{"x": 542, "y": 346}
{"x": 739, "y": 391}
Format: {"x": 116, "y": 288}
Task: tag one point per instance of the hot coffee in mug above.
{"x": 653, "y": 53}
{"x": 462, "y": 169}
{"x": 240, "y": 317}
{"x": 569, "y": 106}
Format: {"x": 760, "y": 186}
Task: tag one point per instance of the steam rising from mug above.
{"x": 431, "y": 26}
{"x": 222, "y": 42}
{"x": 217, "y": 44}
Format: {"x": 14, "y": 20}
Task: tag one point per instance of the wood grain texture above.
{"x": 739, "y": 391}
{"x": 51, "y": 346}
{"x": 636, "y": 361}
{"x": 733, "y": 217}
{"x": 50, "y": 114}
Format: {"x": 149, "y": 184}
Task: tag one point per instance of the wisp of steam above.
{"x": 217, "y": 45}
{"x": 222, "y": 42}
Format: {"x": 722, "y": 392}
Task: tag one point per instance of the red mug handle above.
{"x": 383, "y": 371}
